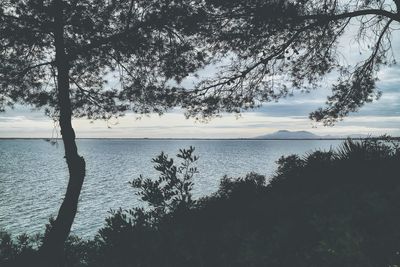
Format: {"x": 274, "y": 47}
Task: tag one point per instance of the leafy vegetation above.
{"x": 278, "y": 48}
{"x": 327, "y": 208}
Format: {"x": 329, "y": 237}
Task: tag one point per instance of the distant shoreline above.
{"x": 188, "y": 139}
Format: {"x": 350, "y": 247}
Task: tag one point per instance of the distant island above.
{"x": 304, "y": 135}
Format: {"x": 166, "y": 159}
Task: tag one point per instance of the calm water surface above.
{"x": 33, "y": 174}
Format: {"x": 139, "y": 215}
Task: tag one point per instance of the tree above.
{"x": 55, "y": 54}
{"x": 278, "y": 47}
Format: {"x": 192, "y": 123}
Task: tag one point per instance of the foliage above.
{"x": 277, "y": 48}
{"x": 23, "y": 246}
{"x": 165, "y": 197}
{"x": 334, "y": 208}
{"x": 173, "y": 187}
{"x": 146, "y": 44}
{"x": 22, "y": 250}
{"x": 138, "y": 45}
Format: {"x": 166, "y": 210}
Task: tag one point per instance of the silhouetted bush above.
{"x": 333, "y": 208}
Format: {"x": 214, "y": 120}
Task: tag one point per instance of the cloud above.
{"x": 175, "y": 125}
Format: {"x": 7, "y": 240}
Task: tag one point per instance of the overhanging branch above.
{"x": 353, "y": 14}
{"x": 246, "y": 71}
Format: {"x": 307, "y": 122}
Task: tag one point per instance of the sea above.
{"x": 34, "y": 175}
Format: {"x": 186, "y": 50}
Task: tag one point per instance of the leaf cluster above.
{"x": 172, "y": 189}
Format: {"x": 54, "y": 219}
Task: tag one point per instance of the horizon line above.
{"x": 191, "y": 138}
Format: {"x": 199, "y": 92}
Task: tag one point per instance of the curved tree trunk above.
{"x": 52, "y": 250}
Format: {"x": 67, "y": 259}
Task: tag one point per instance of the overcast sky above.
{"x": 379, "y": 117}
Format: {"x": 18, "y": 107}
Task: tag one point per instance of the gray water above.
{"x": 33, "y": 174}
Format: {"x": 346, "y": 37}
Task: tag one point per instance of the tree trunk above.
{"x": 52, "y": 250}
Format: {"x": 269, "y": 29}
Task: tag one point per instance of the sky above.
{"x": 380, "y": 117}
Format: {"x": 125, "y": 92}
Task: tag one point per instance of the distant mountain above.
{"x": 284, "y": 134}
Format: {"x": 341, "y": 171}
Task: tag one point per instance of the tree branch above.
{"x": 366, "y": 66}
{"x": 378, "y": 42}
{"x": 119, "y": 63}
{"x": 128, "y": 20}
{"x": 87, "y": 93}
{"x": 27, "y": 69}
{"x": 243, "y": 73}
{"x": 353, "y": 14}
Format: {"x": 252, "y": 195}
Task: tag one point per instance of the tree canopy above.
{"x": 142, "y": 44}
{"x": 276, "y": 48}
{"x": 279, "y": 47}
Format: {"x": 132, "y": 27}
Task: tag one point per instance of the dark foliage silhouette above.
{"x": 327, "y": 208}
{"x": 280, "y": 47}
{"x": 172, "y": 190}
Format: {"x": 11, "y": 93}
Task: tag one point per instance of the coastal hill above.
{"x": 284, "y": 134}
